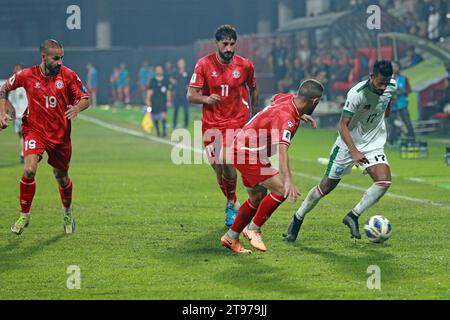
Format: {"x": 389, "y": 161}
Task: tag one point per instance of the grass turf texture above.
{"x": 147, "y": 229}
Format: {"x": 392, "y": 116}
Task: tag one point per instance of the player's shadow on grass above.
{"x": 246, "y": 272}
{"x": 12, "y": 255}
{"x": 357, "y": 257}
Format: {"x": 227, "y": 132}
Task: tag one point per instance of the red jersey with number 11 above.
{"x": 48, "y": 98}
{"x": 231, "y": 82}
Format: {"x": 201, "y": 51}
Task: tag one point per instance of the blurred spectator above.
{"x": 400, "y": 107}
{"x": 124, "y": 85}
{"x": 92, "y": 84}
{"x": 279, "y": 59}
{"x": 412, "y": 57}
{"x": 114, "y": 83}
{"x": 145, "y": 75}
{"x": 181, "y": 84}
{"x": 433, "y": 24}
{"x": 169, "y": 71}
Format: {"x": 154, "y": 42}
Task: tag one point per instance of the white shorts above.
{"x": 18, "y": 125}
{"x": 341, "y": 161}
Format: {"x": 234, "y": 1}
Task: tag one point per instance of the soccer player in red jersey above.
{"x": 271, "y": 129}
{"x": 222, "y": 81}
{"x": 55, "y": 96}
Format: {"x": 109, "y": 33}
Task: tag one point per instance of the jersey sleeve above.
{"x": 198, "y": 76}
{"x": 283, "y": 129}
{"x": 77, "y": 90}
{"x": 251, "y": 79}
{"x": 351, "y": 104}
{"x": 15, "y": 81}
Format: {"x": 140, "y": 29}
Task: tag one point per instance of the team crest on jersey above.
{"x": 37, "y": 85}
{"x": 290, "y": 124}
{"x": 214, "y": 74}
{"x": 367, "y": 107}
{"x": 59, "y": 84}
{"x": 339, "y": 171}
{"x": 236, "y": 74}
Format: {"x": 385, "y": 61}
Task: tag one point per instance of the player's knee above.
{"x": 325, "y": 189}
{"x": 29, "y": 172}
{"x": 256, "y": 199}
{"x": 384, "y": 183}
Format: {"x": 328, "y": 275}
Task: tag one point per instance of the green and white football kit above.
{"x": 367, "y": 129}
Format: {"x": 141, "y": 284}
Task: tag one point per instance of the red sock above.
{"x": 230, "y": 187}
{"x": 27, "y": 191}
{"x": 66, "y": 194}
{"x": 267, "y": 206}
{"x": 244, "y": 216}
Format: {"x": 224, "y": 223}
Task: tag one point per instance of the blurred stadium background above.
{"x": 287, "y": 40}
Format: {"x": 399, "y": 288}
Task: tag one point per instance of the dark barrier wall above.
{"x": 103, "y": 60}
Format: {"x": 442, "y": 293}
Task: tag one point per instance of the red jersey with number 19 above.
{"x": 230, "y": 82}
{"x": 48, "y": 98}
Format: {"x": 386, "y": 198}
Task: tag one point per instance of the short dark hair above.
{"x": 226, "y": 31}
{"x": 50, "y": 43}
{"x": 383, "y": 67}
{"x": 310, "y": 89}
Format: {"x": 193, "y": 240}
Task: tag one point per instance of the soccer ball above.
{"x": 378, "y": 229}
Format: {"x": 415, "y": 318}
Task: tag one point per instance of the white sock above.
{"x": 313, "y": 197}
{"x": 253, "y": 226}
{"x": 233, "y": 234}
{"x": 371, "y": 196}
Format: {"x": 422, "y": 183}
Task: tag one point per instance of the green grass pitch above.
{"x": 149, "y": 229}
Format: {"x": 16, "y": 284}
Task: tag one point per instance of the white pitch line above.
{"x": 300, "y": 174}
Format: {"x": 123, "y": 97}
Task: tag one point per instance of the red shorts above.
{"x": 254, "y": 174}
{"x": 217, "y": 143}
{"x": 58, "y": 154}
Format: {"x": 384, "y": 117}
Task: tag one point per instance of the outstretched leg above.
{"x": 381, "y": 176}
{"x": 314, "y": 196}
